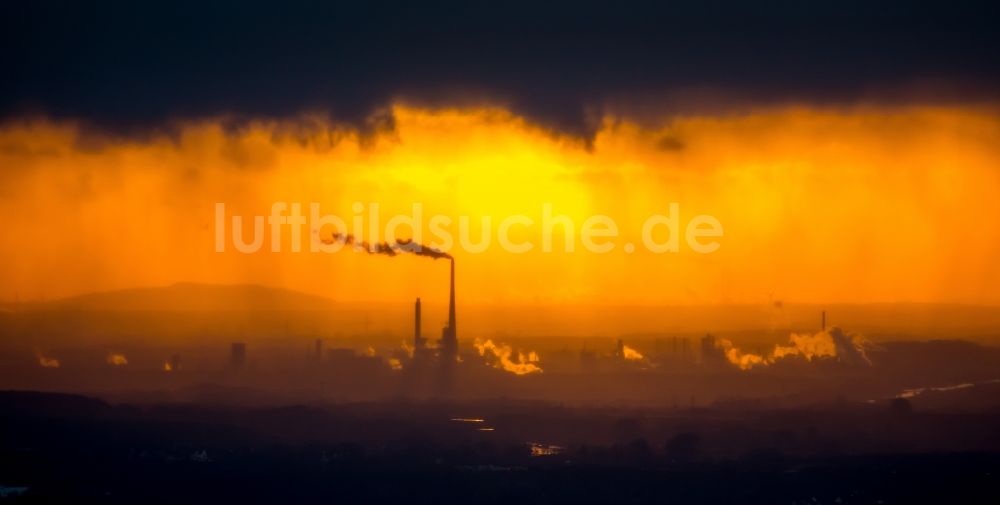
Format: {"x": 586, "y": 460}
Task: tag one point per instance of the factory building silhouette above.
{"x": 430, "y": 364}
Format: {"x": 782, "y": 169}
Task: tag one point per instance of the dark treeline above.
{"x": 63, "y": 448}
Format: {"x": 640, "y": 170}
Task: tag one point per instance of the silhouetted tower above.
{"x": 620, "y": 349}
{"x": 418, "y": 339}
{"x": 237, "y": 354}
{"x": 449, "y": 335}
{"x": 710, "y": 352}
{"x": 823, "y": 320}
{"x": 707, "y": 345}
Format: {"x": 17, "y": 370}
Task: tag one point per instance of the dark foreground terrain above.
{"x": 73, "y": 449}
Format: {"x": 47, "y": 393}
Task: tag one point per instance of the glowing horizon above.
{"x": 872, "y": 204}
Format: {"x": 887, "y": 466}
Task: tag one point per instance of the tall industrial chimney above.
{"x": 451, "y": 304}
{"x": 449, "y": 336}
{"x": 418, "y": 341}
{"x": 823, "y": 320}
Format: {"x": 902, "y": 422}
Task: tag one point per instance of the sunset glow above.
{"x": 828, "y": 205}
{"x": 677, "y": 252}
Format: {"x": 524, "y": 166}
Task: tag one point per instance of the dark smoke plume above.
{"x": 400, "y": 246}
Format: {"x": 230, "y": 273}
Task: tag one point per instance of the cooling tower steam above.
{"x": 848, "y": 349}
{"x": 504, "y": 357}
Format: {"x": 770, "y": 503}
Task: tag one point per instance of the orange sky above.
{"x": 818, "y": 205}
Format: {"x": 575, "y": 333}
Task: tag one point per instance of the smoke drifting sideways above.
{"x": 630, "y": 354}
{"x": 117, "y": 359}
{"x": 502, "y": 357}
{"x": 399, "y": 246}
{"x": 848, "y": 349}
{"x": 45, "y": 361}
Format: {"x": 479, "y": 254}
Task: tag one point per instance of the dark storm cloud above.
{"x": 126, "y": 65}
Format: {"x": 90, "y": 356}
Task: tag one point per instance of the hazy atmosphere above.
{"x": 483, "y": 253}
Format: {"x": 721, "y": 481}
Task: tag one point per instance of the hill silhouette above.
{"x": 190, "y": 297}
